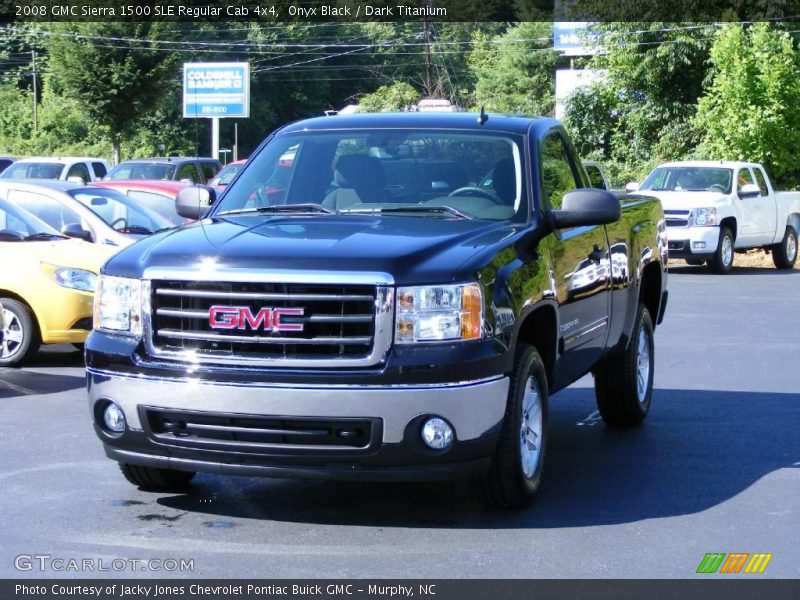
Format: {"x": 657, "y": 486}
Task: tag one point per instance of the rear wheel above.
{"x": 784, "y": 254}
{"x": 20, "y": 337}
{"x": 156, "y": 480}
{"x": 516, "y": 472}
{"x": 623, "y": 383}
{"x": 723, "y": 258}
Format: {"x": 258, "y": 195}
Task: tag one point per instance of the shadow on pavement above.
{"x": 20, "y": 381}
{"x": 696, "y": 450}
{"x": 702, "y": 270}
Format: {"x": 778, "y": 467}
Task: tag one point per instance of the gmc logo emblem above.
{"x": 241, "y": 317}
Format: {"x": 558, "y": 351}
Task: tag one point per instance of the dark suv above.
{"x": 192, "y": 169}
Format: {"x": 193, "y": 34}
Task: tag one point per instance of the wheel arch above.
{"x": 539, "y": 328}
{"x": 730, "y": 223}
{"x": 651, "y": 287}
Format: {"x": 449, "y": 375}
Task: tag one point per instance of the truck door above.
{"x": 582, "y": 267}
{"x": 757, "y": 223}
{"x": 768, "y": 215}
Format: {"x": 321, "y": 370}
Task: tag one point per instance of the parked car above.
{"x": 6, "y": 161}
{"x": 90, "y": 213}
{"x": 716, "y": 208}
{"x": 228, "y": 172}
{"x": 65, "y": 168}
{"x": 190, "y": 169}
{"x": 358, "y": 330}
{"x": 47, "y": 283}
{"x": 159, "y": 196}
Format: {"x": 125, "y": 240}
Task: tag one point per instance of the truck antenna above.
{"x": 483, "y": 117}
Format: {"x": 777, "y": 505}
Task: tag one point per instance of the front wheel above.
{"x": 784, "y": 254}
{"x": 156, "y": 480}
{"x": 20, "y": 337}
{"x": 722, "y": 261}
{"x": 516, "y": 472}
{"x": 623, "y": 383}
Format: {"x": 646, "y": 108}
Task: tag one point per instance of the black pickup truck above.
{"x": 387, "y": 296}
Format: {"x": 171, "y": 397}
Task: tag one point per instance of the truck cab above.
{"x": 400, "y": 311}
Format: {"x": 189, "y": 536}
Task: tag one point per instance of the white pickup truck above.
{"x": 714, "y": 208}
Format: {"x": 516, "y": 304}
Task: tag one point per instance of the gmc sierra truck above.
{"x": 716, "y": 208}
{"x": 399, "y": 305}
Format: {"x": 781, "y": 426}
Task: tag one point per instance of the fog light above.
{"x": 437, "y": 433}
{"x": 698, "y": 244}
{"x": 114, "y": 418}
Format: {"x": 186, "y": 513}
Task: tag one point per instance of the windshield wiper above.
{"x": 43, "y": 235}
{"x": 10, "y": 237}
{"x": 135, "y": 229}
{"x": 409, "y": 209}
{"x": 281, "y": 208}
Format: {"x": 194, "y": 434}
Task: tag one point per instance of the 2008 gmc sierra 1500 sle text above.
{"x": 395, "y": 300}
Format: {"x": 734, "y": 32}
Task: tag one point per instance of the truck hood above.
{"x": 410, "y": 249}
{"x": 686, "y": 200}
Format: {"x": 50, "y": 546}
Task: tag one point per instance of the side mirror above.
{"x": 193, "y": 202}
{"x": 77, "y": 180}
{"x": 631, "y": 187}
{"x": 74, "y": 230}
{"x": 749, "y": 190}
{"x": 586, "y": 207}
{"x": 187, "y": 180}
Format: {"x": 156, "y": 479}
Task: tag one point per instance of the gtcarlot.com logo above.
{"x": 47, "y": 562}
{"x": 735, "y": 562}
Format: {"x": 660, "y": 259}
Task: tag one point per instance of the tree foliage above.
{"x": 387, "y": 98}
{"x": 750, "y": 110}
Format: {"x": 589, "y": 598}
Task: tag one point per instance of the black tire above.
{"x": 616, "y": 378}
{"x": 720, "y": 263}
{"x": 79, "y": 346}
{"x": 694, "y": 262}
{"x": 507, "y": 485}
{"x": 784, "y": 255}
{"x": 156, "y": 480}
{"x": 19, "y": 322}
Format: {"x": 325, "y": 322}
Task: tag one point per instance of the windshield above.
{"x": 225, "y": 176}
{"x": 18, "y": 224}
{"x": 689, "y": 179}
{"x": 119, "y": 211}
{"x": 33, "y": 170}
{"x": 426, "y": 173}
{"x": 138, "y": 170}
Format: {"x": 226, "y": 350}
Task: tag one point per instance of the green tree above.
{"x": 750, "y": 110}
{"x": 113, "y": 70}
{"x": 387, "y": 98}
{"x": 514, "y": 71}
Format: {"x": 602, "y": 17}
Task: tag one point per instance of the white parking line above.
{"x": 17, "y": 388}
{"x": 592, "y": 419}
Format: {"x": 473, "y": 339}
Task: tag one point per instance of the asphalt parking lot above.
{"x": 715, "y": 468}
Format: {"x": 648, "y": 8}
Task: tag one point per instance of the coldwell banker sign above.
{"x": 216, "y": 90}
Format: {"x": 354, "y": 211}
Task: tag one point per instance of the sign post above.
{"x": 214, "y": 91}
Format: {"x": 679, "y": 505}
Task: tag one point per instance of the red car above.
{"x": 155, "y": 194}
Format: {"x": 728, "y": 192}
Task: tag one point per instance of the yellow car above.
{"x": 46, "y": 285}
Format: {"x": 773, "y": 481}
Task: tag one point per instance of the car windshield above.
{"x": 119, "y": 211}
{"x": 425, "y": 173}
{"x": 142, "y": 170}
{"x": 18, "y": 224}
{"x": 689, "y": 179}
{"x": 225, "y": 176}
{"x": 160, "y": 203}
{"x": 33, "y": 170}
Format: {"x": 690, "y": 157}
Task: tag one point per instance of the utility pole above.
{"x": 426, "y": 36}
{"x": 35, "y": 92}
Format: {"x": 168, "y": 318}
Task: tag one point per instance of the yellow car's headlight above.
{"x": 68, "y": 277}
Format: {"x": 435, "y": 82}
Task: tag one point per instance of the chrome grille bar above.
{"x": 261, "y": 296}
{"x": 258, "y": 339}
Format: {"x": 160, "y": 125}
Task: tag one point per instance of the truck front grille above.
{"x": 259, "y": 434}
{"x": 677, "y": 218}
{"x": 267, "y": 323}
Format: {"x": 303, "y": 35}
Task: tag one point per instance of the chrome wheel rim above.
{"x": 727, "y": 250}
{"x": 12, "y": 335}
{"x": 791, "y": 247}
{"x": 642, "y": 366}
{"x": 530, "y": 435}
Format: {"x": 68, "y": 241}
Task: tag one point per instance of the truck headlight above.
{"x": 118, "y": 305}
{"x": 439, "y": 313}
{"x": 76, "y": 279}
{"x": 703, "y": 217}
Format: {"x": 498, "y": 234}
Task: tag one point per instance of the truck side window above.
{"x": 595, "y": 177}
{"x": 762, "y": 182}
{"x": 187, "y": 171}
{"x": 745, "y": 177}
{"x": 80, "y": 170}
{"x": 558, "y": 172}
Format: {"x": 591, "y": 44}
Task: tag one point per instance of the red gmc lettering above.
{"x": 240, "y": 317}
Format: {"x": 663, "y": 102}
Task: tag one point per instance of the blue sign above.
{"x": 575, "y": 38}
{"x": 216, "y": 90}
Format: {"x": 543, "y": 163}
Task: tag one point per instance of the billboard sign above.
{"x": 575, "y": 38}
{"x": 216, "y": 90}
